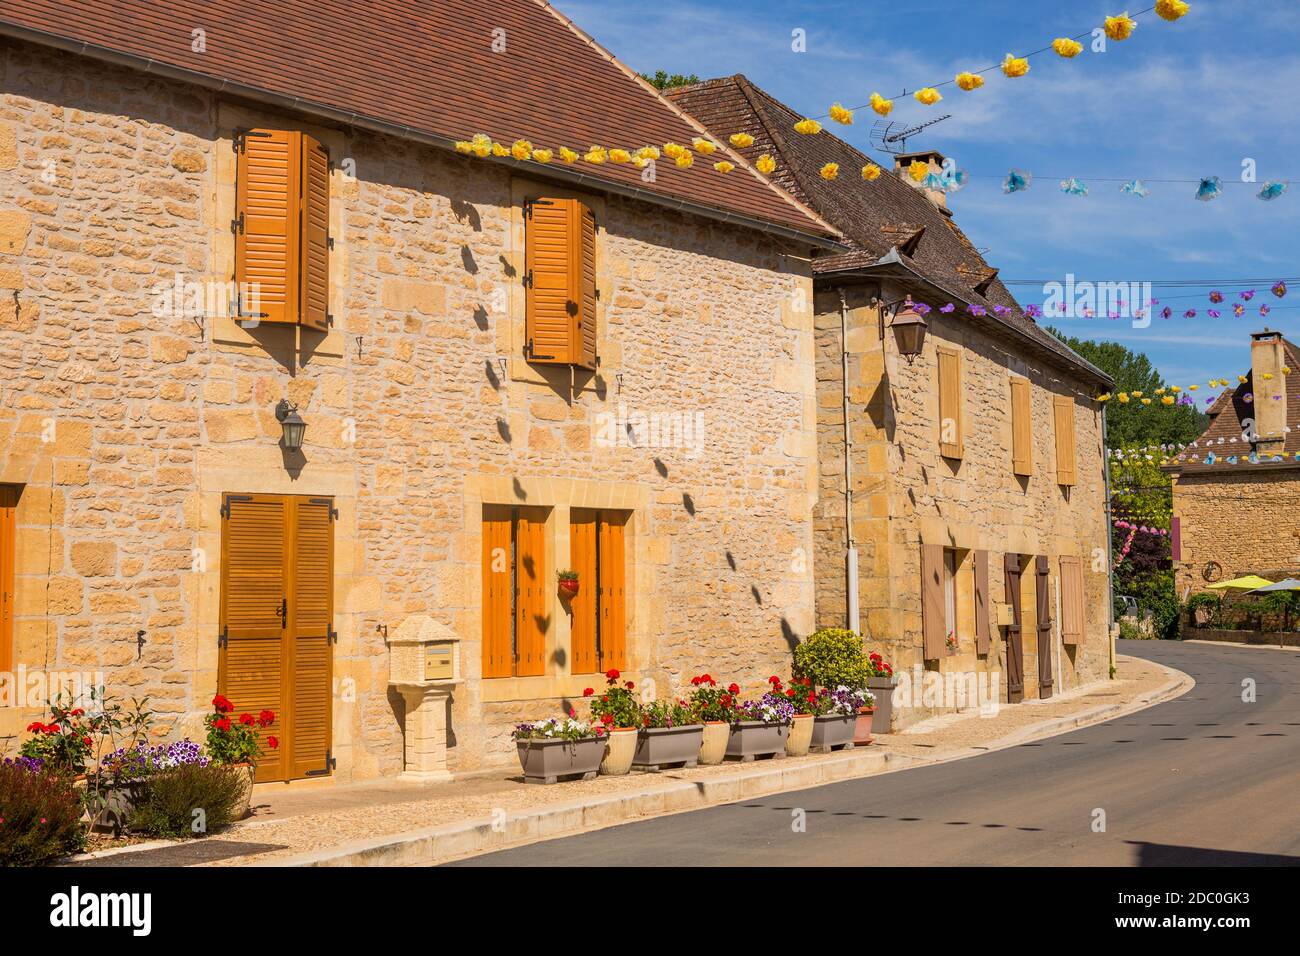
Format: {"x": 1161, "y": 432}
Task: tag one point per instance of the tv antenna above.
{"x": 891, "y": 137}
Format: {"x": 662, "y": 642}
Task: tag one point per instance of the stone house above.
{"x": 1236, "y": 487}
{"x": 955, "y": 480}
{"x": 214, "y": 229}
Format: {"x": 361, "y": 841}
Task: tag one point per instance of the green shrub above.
{"x": 40, "y": 814}
{"x": 832, "y": 657}
{"x": 1129, "y": 631}
{"x": 170, "y": 800}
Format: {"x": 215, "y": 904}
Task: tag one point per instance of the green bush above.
{"x": 832, "y": 657}
{"x": 167, "y": 807}
{"x": 40, "y": 815}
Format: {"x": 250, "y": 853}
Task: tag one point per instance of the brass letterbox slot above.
{"x": 437, "y": 662}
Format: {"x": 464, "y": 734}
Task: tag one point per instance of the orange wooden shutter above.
{"x": 932, "y": 611}
{"x": 532, "y": 622}
{"x": 582, "y": 558}
{"x": 268, "y": 224}
{"x": 1022, "y": 454}
{"x": 8, "y": 552}
{"x": 498, "y": 592}
{"x": 253, "y": 622}
{"x": 1063, "y": 413}
{"x": 613, "y": 599}
{"x": 560, "y": 282}
{"x": 982, "y": 630}
{"x": 311, "y": 620}
{"x": 315, "y": 213}
{"x": 950, "y": 425}
{"x": 586, "y": 274}
{"x": 1071, "y": 599}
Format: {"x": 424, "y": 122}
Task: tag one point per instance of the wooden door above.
{"x": 8, "y": 551}
{"x": 1015, "y": 647}
{"x": 277, "y": 561}
{"x": 583, "y": 542}
{"x": 1044, "y": 609}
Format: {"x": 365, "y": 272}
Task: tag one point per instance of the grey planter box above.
{"x": 753, "y": 738}
{"x": 833, "y": 732}
{"x": 659, "y": 747}
{"x": 546, "y": 761}
{"x": 882, "y": 688}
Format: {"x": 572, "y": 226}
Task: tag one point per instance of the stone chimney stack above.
{"x": 1267, "y": 357}
{"x": 934, "y": 159}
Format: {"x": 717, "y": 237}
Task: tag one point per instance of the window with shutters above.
{"x": 1071, "y": 599}
{"x": 515, "y": 591}
{"x": 281, "y": 228}
{"x": 1022, "y": 446}
{"x": 950, "y": 410}
{"x": 8, "y": 552}
{"x": 560, "y": 283}
{"x": 598, "y": 553}
{"x": 1063, "y": 415}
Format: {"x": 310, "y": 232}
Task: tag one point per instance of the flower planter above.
{"x": 753, "y": 738}
{"x": 801, "y": 729}
{"x": 714, "y": 748}
{"x": 882, "y": 689}
{"x": 546, "y": 761}
{"x": 660, "y": 747}
{"x": 246, "y": 770}
{"x": 863, "y": 724}
{"x": 568, "y": 588}
{"x": 832, "y": 732}
{"x": 117, "y": 802}
{"x": 619, "y": 750}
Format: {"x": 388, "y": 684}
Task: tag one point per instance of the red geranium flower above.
{"x": 245, "y": 719}
{"x": 273, "y": 743}
{"x": 725, "y": 700}
{"x": 696, "y": 681}
{"x": 52, "y": 729}
{"x": 611, "y": 674}
{"x": 266, "y": 718}
{"x": 35, "y": 727}
{"x": 78, "y": 713}
{"x": 587, "y": 692}
{"x": 222, "y": 704}
{"x": 223, "y": 724}
{"x": 86, "y": 741}
{"x": 629, "y": 685}
{"x": 733, "y": 689}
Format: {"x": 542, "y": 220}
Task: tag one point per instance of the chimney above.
{"x": 934, "y": 159}
{"x": 1267, "y": 356}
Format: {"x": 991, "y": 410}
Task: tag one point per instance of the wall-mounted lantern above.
{"x": 909, "y": 330}
{"x": 291, "y": 424}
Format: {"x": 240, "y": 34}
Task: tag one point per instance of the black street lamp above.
{"x": 291, "y": 424}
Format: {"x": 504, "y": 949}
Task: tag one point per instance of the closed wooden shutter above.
{"x": 8, "y": 552}
{"x": 560, "y": 282}
{"x": 315, "y": 234}
{"x": 311, "y": 618}
{"x": 1011, "y": 566}
{"x": 1063, "y": 412}
{"x": 1022, "y": 453}
{"x": 932, "y": 606}
{"x": 268, "y": 223}
{"x": 582, "y": 558}
{"x": 950, "y": 424}
{"x": 1176, "y": 538}
{"x": 253, "y": 618}
{"x": 1071, "y": 599}
{"x": 613, "y": 601}
{"x": 532, "y": 621}
{"x": 498, "y": 592}
{"x": 1044, "y": 608}
{"x": 586, "y": 287}
{"x": 982, "y": 624}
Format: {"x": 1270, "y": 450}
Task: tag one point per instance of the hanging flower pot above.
{"x": 568, "y": 583}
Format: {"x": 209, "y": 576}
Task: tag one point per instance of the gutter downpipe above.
{"x": 1111, "y": 627}
{"x": 853, "y": 621}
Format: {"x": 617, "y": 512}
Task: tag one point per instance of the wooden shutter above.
{"x": 586, "y": 262}
{"x": 498, "y": 592}
{"x": 1071, "y": 599}
{"x": 1063, "y": 413}
{"x": 315, "y": 212}
{"x": 582, "y": 558}
{"x": 613, "y": 601}
{"x": 1044, "y": 609}
{"x": 1176, "y": 538}
{"x": 932, "y": 606}
{"x": 950, "y": 424}
{"x": 8, "y": 553}
{"x": 311, "y": 620}
{"x": 532, "y": 622}
{"x": 1015, "y": 638}
{"x": 268, "y": 231}
{"x": 253, "y": 619}
{"x": 560, "y": 282}
{"x": 982, "y": 629}
{"x": 1022, "y": 453}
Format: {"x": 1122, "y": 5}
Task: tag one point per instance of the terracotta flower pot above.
{"x": 546, "y": 761}
{"x": 801, "y": 729}
{"x": 714, "y": 748}
{"x": 863, "y": 726}
{"x": 659, "y": 747}
{"x": 754, "y": 738}
{"x": 833, "y": 732}
{"x": 569, "y": 587}
{"x": 619, "y": 750}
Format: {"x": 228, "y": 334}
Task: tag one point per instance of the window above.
{"x": 560, "y": 283}
{"x": 281, "y": 228}
{"x": 515, "y": 619}
{"x": 597, "y": 553}
{"x": 949, "y": 592}
{"x": 950, "y": 424}
{"x": 8, "y": 551}
{"x": 1063, "y": 413}
{"x": 1022, "y": 454}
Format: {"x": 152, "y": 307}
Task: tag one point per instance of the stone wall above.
{"x": 124, "y": 428}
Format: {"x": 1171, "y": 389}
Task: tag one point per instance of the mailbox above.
{"x": 438, "y": 662}
{"x": 1006, "y": 616}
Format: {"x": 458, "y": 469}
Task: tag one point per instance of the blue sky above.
{"x": 1176, "y": 101}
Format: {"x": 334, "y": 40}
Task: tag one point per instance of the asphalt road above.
{"x": 1206, "y": 779}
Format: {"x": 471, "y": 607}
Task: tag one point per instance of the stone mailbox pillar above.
{"x": 424, "y": 665}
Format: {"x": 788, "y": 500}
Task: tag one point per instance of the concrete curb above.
{"x": 453, "y": 841}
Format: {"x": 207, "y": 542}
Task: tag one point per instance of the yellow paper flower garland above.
{"x": 918, "y": 170}
{"x": 596, "y": 155}
{"x": 870, "y": 172}
{"x": 724, "y": 166}
{"x": 568, "y": 155}
{"x": 765, "y": 164}
{"x": 969, "y": 81}
{"x": 703, "y": 146}
{"x": 620, "y": 156}
{"x": 741, "y": 140}
{"x": 1120, "y": 27}
{"x": 1066, "y": 47}
{"x": 521, "y": 149}
{"x": 1014, "y": 66}
{"x": 928, "y": 96}
{"x": 1171, "y": 10}
{"x": 808, "y": 127}
{"x": 881, "y": 105}
{"x": 841, "y": 115}
{"x": 830, "y": 171}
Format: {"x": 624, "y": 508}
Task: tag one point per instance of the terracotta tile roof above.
{"x": 875, "y": 216}
{"x": 1228, "y": 412}
{"x": 426, "y": 69}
